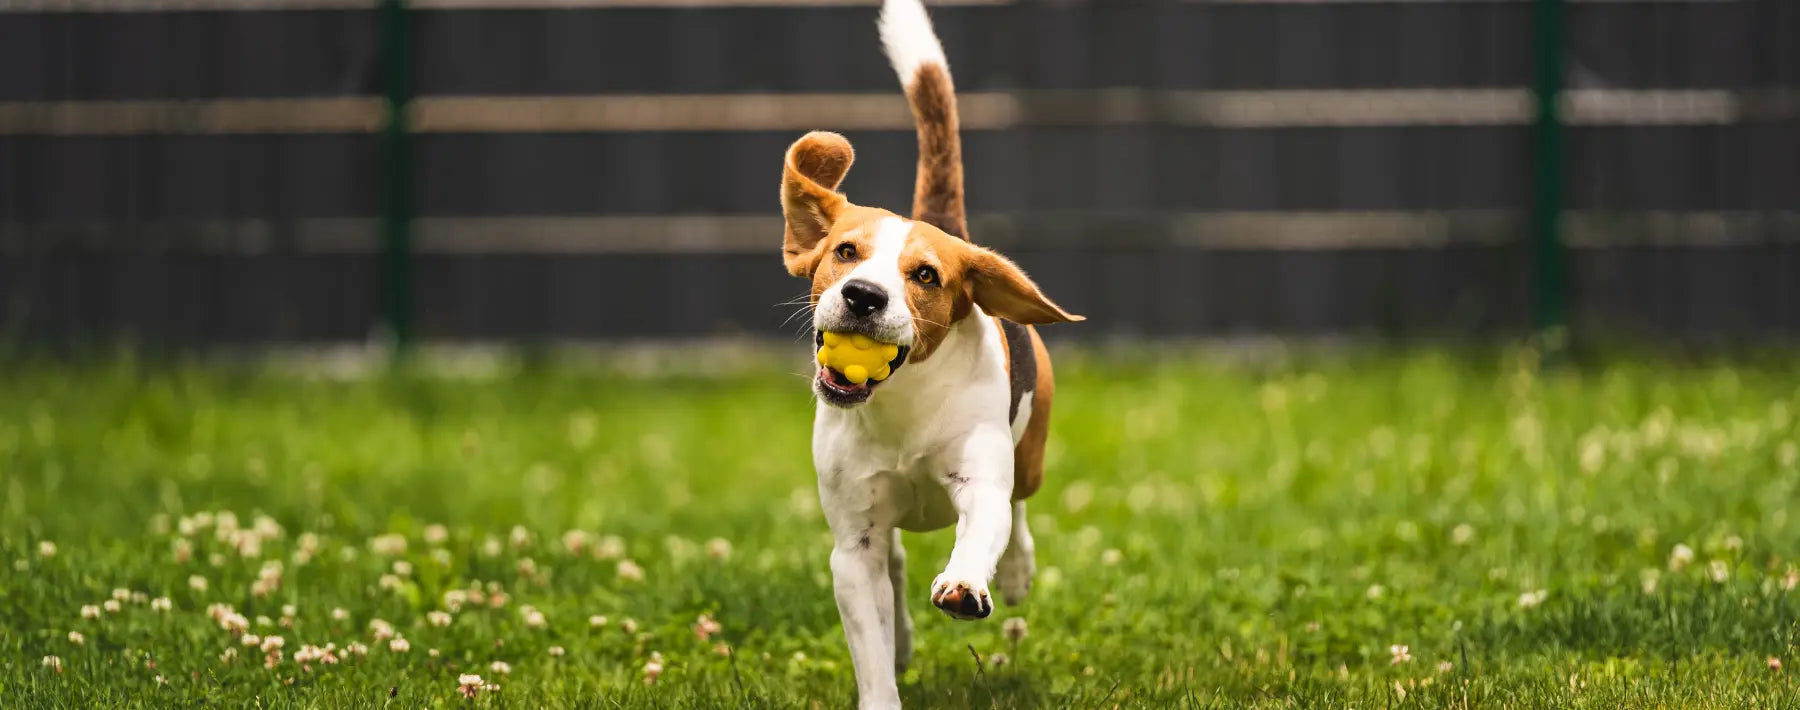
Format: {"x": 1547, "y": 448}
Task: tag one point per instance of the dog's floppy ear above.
{"x": 815, "y": 165}
{"x": 1002, "y": 289}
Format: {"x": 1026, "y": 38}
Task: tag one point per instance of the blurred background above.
{"x": 192, "y": 173}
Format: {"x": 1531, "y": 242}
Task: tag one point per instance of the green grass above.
{"x": 1210, "y": 535}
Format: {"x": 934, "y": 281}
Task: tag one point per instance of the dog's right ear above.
{"x": 815, "y": 165}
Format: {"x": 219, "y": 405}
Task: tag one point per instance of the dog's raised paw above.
{"x": 961, "y": 599}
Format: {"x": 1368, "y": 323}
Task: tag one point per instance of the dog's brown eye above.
{"x": 846, "y": 251}
{"x": 925, "y": 275}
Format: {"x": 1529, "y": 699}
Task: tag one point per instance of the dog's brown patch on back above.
{"x": 1028, "y": 455}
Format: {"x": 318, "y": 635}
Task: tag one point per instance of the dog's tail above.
{"x": 918, "y": 58}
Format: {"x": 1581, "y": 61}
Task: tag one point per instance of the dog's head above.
{"x": 892, "y": 279}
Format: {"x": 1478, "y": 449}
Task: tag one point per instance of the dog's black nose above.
{"x": 863, "y": 298}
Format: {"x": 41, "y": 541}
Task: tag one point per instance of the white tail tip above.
{"x": 907, "y": 37}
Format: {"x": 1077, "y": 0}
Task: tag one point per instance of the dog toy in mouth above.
{"x": 858, "y": 357}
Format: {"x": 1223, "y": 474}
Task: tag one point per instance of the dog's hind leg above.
{"x": 903, "y": 626}
{"x": 1018, "y": 563}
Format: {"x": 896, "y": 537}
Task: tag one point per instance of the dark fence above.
{"x": 593, "y": 169}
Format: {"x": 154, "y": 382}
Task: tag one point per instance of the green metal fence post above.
{"x": 1550, "y": 287}
{"x": 396, "y": 174}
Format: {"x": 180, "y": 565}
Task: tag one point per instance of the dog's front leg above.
{"x": 865, "y": 599}
{"x": 978, "y": 476}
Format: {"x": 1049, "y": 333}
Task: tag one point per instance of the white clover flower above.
{"x": 356, "y": 648}
{"x": 111, "y": 606}
{"x": 271, "y": 643}
{"x": 652, "y": 670}
{"x": 1530, "y": 600}
{"x": 436, "y": 534}
{"x": 596, "y": 621}
{"x": 1111, "y": 556}
{"x": 390, "y": 582}
{"x": 630, "y": 571}
{"x": 533, "y": 618}
{"x": 289, "y": 610}
{"x": 1680, "y": 557}
{"x": 629, "y": 626}
{"x": 388, "y": 545}
{"x": 228, "y": 656}
{"x": 1790, "y": 580}
{"x": 162, "y": 604}
{"x": 1014, "y": 629}
{"x": 469, "y": 685}
{"x": 1462, "y": 534}
{"x": 383, "y": 630}
{"x": 442, "y": 557}
{"x": 76, "y": 638}
{"x": 53, "y": 663}
{"x": 1446, "y": 666}
{"x": 576, "y": 541}
{"x": 438, "y": 618}
{"x": 705, "y": 627}
{"x": 1400, "y": 654}
{"x": 997, "y": 660}
{"x": 1375, "y": 592}
{"x": 47, "y": 549}
{"x": 718, "y": 548}
{"x": 197, "y": 583}
{"x": 500, "y": 667}
{"x": 399, "y": 645}
{"x": 611, "y": 547}
{"x": 90, "y": 611}
{"x": 491, "y": 547}
{"x": 520, "y": 537}
{"x": 556, "y": 652}
{"x": 121, "y": 594}
{"x": 1718, "y": 571}
{"x": 340, "y": 614}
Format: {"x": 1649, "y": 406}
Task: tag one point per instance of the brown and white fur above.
{"x": 956, "y": 434}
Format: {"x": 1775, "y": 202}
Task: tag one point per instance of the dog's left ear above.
{"x": 1002, "y": 289}
{"x": 809, "y": 178}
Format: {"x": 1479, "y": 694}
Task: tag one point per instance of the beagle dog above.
{"x": 947, "y": 423}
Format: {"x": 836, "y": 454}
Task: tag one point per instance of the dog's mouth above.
{"x": 838, "y": 390}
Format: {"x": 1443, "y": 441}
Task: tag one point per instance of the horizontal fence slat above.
{"x": 980, "y": 111}
{"x": 776, "y": 49}
{"x": 759, "y": 233}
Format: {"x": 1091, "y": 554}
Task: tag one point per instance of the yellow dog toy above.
{"x": 859, "y": 357}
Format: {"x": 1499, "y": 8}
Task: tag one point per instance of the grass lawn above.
{"x": 1398, "y": 530}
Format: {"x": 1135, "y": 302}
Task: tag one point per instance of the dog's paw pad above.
{"x": 962, "y": 600}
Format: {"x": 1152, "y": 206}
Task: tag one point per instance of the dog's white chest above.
{"x": 883, "y": 481}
